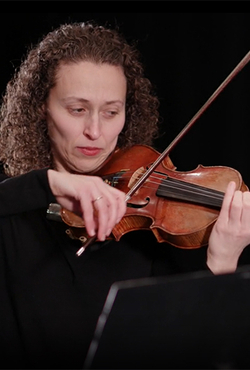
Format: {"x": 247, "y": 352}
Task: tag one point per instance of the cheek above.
{"x": 116, "y": 129}
{"x": 60, "y": 129}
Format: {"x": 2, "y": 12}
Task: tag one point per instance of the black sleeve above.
{"x": 25, "y": 192}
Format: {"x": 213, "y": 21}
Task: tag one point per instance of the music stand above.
{"x": 191, "y": 321}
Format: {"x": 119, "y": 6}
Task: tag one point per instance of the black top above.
{"x": 51, "y": 299}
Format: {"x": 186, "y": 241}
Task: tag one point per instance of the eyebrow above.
{"x": 82, "y": 100}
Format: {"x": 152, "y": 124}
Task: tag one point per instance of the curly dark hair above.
{"x": 24, "y": 141}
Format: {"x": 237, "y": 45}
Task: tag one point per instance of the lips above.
{"x": 89, "y": 151}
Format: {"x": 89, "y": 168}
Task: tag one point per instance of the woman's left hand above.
{"x": 231, "y": 232}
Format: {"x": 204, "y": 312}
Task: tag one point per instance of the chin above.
{"x": 81, "y": 169}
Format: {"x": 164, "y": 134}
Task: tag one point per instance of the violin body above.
{"x": 179, "y": 207}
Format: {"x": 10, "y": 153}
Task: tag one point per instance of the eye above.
{"x": 76, "y": 110}
{"x": 111, "y": 113}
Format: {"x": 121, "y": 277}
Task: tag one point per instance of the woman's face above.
{"x": 85, "y": 114}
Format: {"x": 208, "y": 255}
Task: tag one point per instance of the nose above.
{"x": 92, "y": 127}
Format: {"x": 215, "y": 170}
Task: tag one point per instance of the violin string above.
{"x": 192, "y": 188}
{"x": 176, "y": 184}
{"x": 190, "y": 196}
{"x": 179, "y": 193}
{"x": 181, "y": 184}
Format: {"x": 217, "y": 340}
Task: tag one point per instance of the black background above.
{"x": 186, "y": 55}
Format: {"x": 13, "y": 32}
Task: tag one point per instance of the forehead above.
{"x": 85, "y": 71}
{"x": 90, "y": 81}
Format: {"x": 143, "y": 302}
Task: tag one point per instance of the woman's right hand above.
{"x": 100, "y": 205}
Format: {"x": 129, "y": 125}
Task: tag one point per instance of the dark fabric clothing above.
{"x": 51, "y": 299}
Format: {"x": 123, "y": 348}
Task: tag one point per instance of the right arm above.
{"x": 24, "y": 192}
{"x": 77, "y": 193}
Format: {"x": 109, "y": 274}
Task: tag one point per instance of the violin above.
{"x": 180, "y": 208}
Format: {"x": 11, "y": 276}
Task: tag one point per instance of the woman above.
{"x": 78, "y": 96}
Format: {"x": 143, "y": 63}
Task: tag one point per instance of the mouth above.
{"x": 89, "y": 151}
